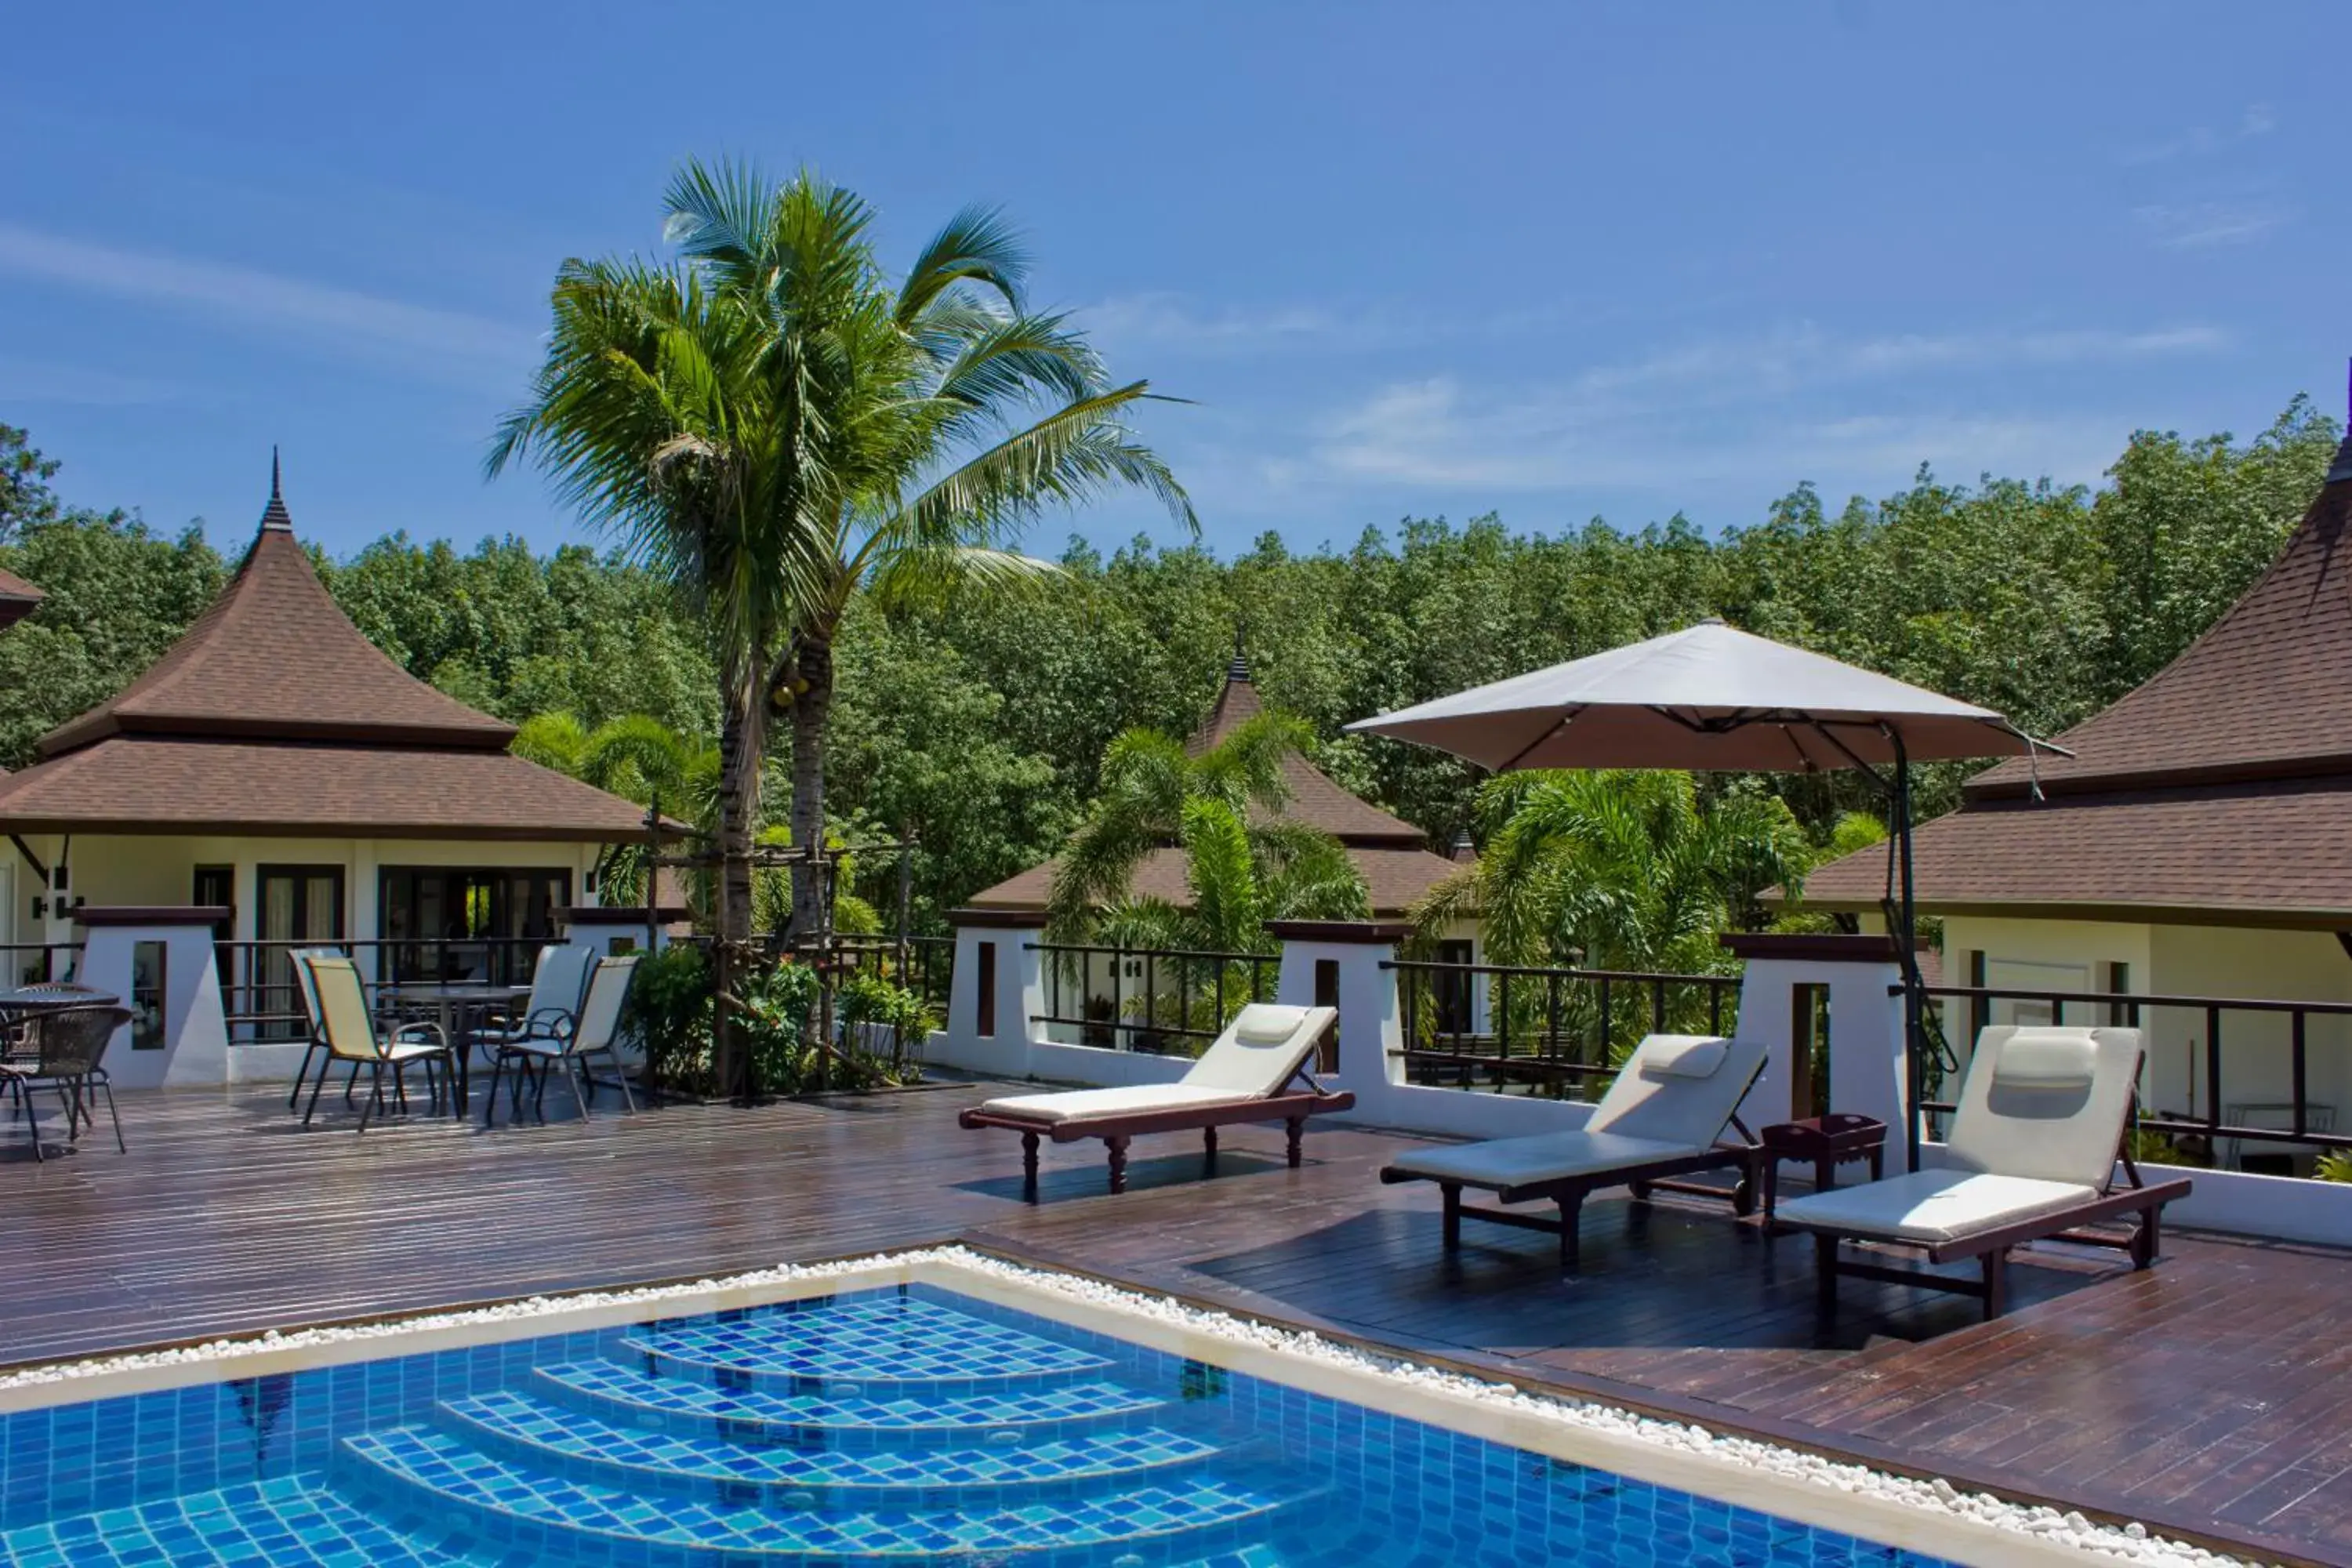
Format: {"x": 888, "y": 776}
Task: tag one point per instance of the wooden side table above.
{"x": 1828, "y": 1142}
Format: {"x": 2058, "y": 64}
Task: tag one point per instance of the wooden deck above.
{"x": 2212, "y": 1396}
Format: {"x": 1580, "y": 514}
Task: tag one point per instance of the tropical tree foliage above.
{"x": 1245, "y": 861}
{"x": 984, "y": 725}
{"x": 1619, "y": 870}
{"x": 927, "y": 422}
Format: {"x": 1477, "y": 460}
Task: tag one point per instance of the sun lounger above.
{"x": 1246, "y": 1074}
{"x": 2032, "y": 1155}
{"x": 1662, "y": 1118}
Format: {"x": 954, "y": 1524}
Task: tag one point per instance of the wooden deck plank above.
{"x": 2212, "y": 1396}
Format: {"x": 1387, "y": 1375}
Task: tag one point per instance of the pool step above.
{"x": 553, "y": 1439}
{"x": 680, "y": 1403}
{"x": 892, "y": 1341}
{"x": 520, "y": 1507}
{"x": 290, "y": 1520}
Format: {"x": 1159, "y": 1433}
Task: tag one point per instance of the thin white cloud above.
{"x": 28, "y": 381}
{"x": 2197, "y": 226}
{"x": 2204, "y": 142}
{"x": 1771, "y": 409}
{"x": 450, "y": 341}
{"x": 1167, "y": 321}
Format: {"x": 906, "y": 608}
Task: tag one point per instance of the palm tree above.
{"x": 638, "y": 758}
{"x": 927, "y": 423}
{"x": 651, "y": 416}
{"x": 1245, "y": 863}
{"x": 1626, "y": 868}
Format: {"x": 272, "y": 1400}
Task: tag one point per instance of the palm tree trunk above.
{"x": 812, "y": 706}
{"x": 741, "y": 741}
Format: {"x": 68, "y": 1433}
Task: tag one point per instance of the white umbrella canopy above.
{"x": 1707, "y": 698}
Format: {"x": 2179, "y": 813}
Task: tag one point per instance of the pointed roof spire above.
{"x": 1463, "y": 850}
{"x": 275, "y": 514}
{"x": 1239, "y": 670}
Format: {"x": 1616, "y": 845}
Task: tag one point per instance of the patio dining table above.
{"x": 458, "y": 1006}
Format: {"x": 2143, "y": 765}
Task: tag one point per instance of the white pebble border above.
{"x": 2129, "y": 1542}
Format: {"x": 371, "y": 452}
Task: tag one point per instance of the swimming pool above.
{"x": 909, "y": 1422}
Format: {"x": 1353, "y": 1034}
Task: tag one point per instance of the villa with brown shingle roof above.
{"x": 1392, "y": 855}
{"x": 275, "y": 762}
{"x": 2198, "y": 841}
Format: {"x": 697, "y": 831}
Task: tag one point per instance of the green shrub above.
{"x": 2336, "y": 1166}
{"x": 776, "y": 1002}
{"x": 668, "y": 1012}
{"x": 869, "y": 999}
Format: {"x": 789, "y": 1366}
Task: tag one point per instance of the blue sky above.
{"x": 1547, "y": 260}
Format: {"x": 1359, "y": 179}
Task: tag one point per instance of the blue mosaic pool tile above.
{"x": 681, "y": 1403}
{"x": 550, "y": 1437}
{"x": 435, "y": 1463}
{"x": 817, "y": 1428}
{"x": 271, "y": 1524}
{"x": 892, "y": 1339}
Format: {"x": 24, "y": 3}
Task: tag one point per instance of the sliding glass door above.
{"x": 299, "y": 906}
{"x": 469, "y": 923}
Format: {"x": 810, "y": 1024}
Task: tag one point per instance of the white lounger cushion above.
{"x": 1678, "y": 1089}
{"x": 1256, "y": 1056}
{"x": 1259, "y": 1050}
{"x": 2046, "y": 1102}
{"x": 1932, "y": 1206}
{"x": 1129, "y": 1100}
{"x": 1500, "y": 1162}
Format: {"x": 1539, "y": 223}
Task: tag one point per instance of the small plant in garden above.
{"x": 2336, "y": 1166}
{"x": 668, "y": 1012}
{"x": 869, "y": 999}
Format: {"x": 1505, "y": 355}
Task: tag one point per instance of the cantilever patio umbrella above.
{"x": 1710, "y": 698}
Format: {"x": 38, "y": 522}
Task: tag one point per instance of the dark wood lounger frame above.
{"x": 1990, "y": 1247}
{"x": 1292, "y": 1107}
{"x": 1569, "y": 1192}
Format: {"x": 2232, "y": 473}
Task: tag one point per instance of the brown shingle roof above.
{"x": 274, "y": 657}
{"x": 19, "y": 598}
{"x": 2265, "y": 692}
{"x": 143, "y": 783}
{"x": 2279, "y": 850}
{"x": 2221, "y": 790}
{"x": 273, "y": 715}
{"x": 1396, "y": 878}
{"x": 1315, "y": 799}
{"x": 1392, "y": 855}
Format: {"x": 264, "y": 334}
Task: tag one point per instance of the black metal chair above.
{"x": 63, "y": 1049}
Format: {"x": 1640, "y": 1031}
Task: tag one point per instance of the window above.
{"x": 147, "y": 996}
{"x": 300, "y": 906}
{"x": 448, "y": 922}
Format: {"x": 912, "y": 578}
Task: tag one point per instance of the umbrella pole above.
{"x": 1906, "y": 953}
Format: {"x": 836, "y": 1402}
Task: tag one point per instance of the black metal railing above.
{"x": 1165, "y": 1000}
{"x": 1553, "y": 1031}
{"x": 263, "y": 1000}
{"x": 2207, "y": 1116}
{"x": 922, "y": 964}
{"x": 37, "y": 963}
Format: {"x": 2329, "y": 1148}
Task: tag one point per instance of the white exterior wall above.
{"x": 2183, "y": 960}
{"x": 160, "y": 869}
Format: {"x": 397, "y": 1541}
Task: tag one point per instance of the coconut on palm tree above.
{"x": 774, "y": 424}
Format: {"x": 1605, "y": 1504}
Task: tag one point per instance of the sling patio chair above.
{"x": 308, "y": 993}
{"x": 570, "y": 1043}
{"x": 63, "y": 1049}
{"x": 352, "y": 1036}
{"x": 559, "y": 980}
{"x": 1661, "y": 1120}
{"x": 2032, "y": 1154}
{"x": 1244, "y": 1076}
